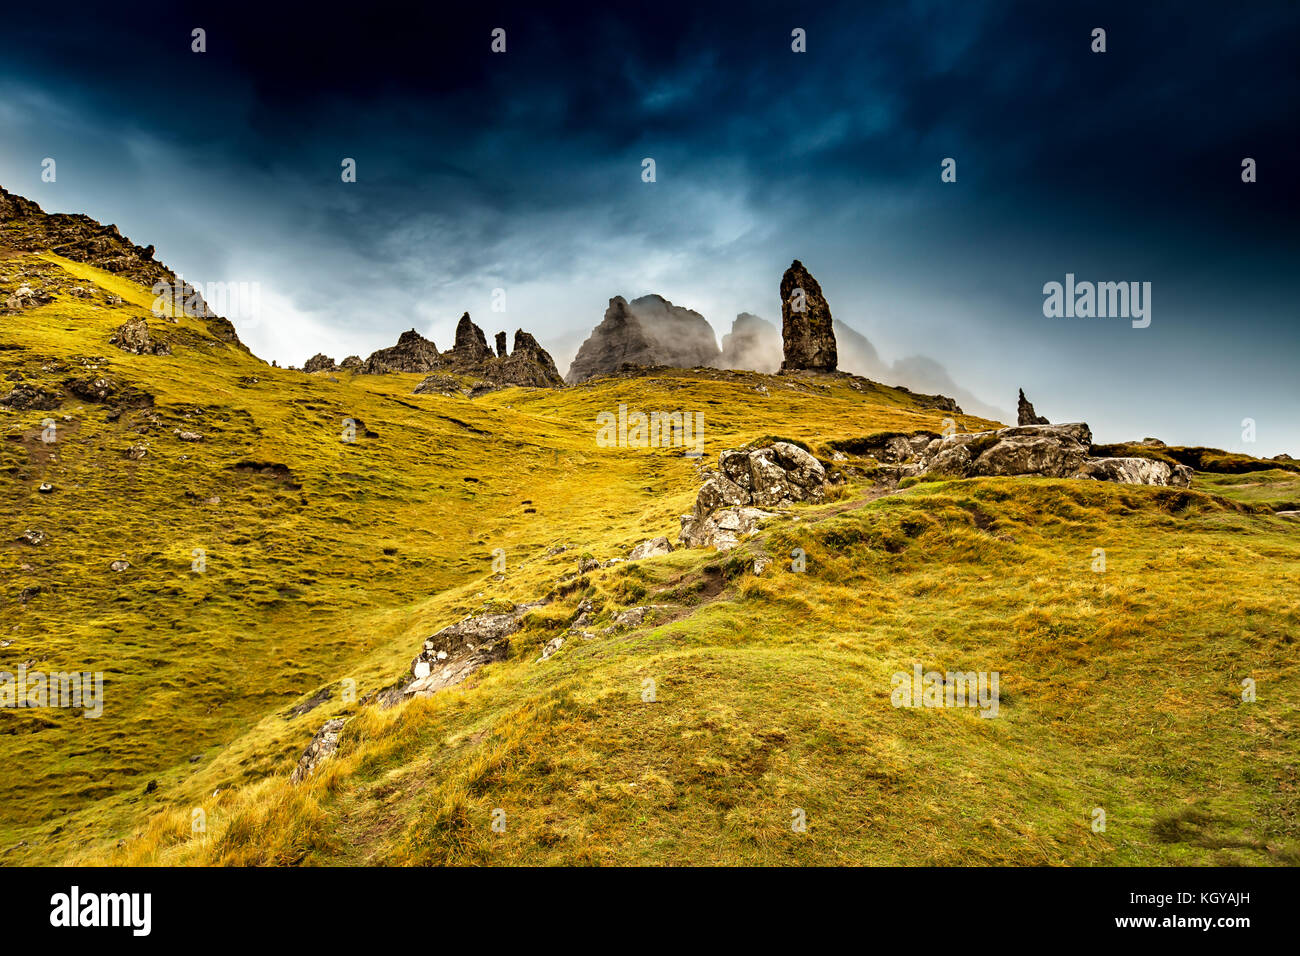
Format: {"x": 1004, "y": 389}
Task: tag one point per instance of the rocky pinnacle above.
{"x": 806, "y": 324}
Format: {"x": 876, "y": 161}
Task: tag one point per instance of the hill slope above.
{"x": 274, "y": 565}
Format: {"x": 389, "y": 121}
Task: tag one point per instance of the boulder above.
{"x": 319, "y": 363}
{"x": 1049, "y": 451}
{"x": 1136, "y": 471}
{"x": 807, "y": 329}
{"x": 133, "y": 336}
{"x": 650, "y": 549}
{"x": 732, "y": 501}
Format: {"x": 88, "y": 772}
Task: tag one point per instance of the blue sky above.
{"x": 522, "y": 171}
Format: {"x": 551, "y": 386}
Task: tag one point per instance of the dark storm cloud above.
{"x": 523, "y": 171}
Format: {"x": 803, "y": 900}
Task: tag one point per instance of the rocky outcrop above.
{"x": 527, "y": 365}
{"x": 30, "y": 398}
{"x": 25, "y": 227}
{"x": 753, "y": 343}
{"x": 646, "y": 331}
{"x": 471, "y": 347}
{"x": 650, "y": 549}
{"x": 455, "y": 652}
{"x": 412, "y": 353}
{"x": 351, "y": 363}
{"x": 134, "y": 337}
{"x": 321, "y": 748}
{"x": 1050, "y": 451}
{"x": 318, "y": 363}
{"x": 731, "y": 503}
{"x": 1025, "y": 414}
{"x": 807, "y": 329}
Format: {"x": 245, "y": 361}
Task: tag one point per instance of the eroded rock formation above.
{"x": 455, "y": 652}
{"x": 731, "y": 504}
{"x": 646, "y": 331}
{"x": 1050, "y": 451}
{"x": 412, "y": 353}
{"x": 1025, "y": 414}
{"x": 807, "y": 329}
{"x": 134, "y": 337}
{"x": 753, "y": 343}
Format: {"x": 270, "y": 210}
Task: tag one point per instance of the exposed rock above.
{"x": 1137, "y": 471}
{"x": 646, "y": 331}
{"x": 119, "y": 565}
{"x": 501, "y": 345}
{"x": 187, "y": 436}
{"x": 455, "y": 652}
{"x": 351, "y": 362}
{"x": 28, "y": 398}
{"x": 553, "y": 645}
{"x": 471, "y": 347}
{"x": 1025, "y": 412}
{"x": 650, "y": 549}
{"x": 412, "y": 353}
{"x": 440, "y": 384}
{"x": 807, "y": 329}
{"x": 136, "y": 452}
{"x": 730, "y": 503}
{"x": 78, "y": 237}
{"x": 133, "y": 336}
{"x": 753, "y": 343}
{"x": 320, "y": 363}
{"x": 33, "y": 537}
{"x": 321, "y": 748}
{"x": 528, "y": 364}
{"x": 1050, "y": 451}
{"x": 24, "y": 298}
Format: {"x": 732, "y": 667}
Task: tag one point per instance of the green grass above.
{"x": 1120, "y": 690}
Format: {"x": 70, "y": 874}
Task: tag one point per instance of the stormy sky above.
{"x": 523, "y": 171}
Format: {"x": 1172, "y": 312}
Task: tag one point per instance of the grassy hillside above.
{"x": 328, "y": 562}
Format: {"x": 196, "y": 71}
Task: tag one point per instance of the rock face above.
{"x": 1050, "y": 451}
{"x": 646, "y": 331}
{"x": 318, "y": 363}
{"x": 455, "y": 652}
{"x": 25, "y": 227}
{"x": 753, "y": 343}
{"x": 412, "y": 353}
{"x": 731, "y": 501}
{"x": 650, "y": 549}
{"x": 1025, "y": 412}
{"x": 807, "y": 329}
{"x": 528, "y": 365}
{"x": 134, "y": 337}
{"x": 321, "y": 748}
{"x": 471, "y": 347}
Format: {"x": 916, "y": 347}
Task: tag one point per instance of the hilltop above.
{"x": 251, "y": 553}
